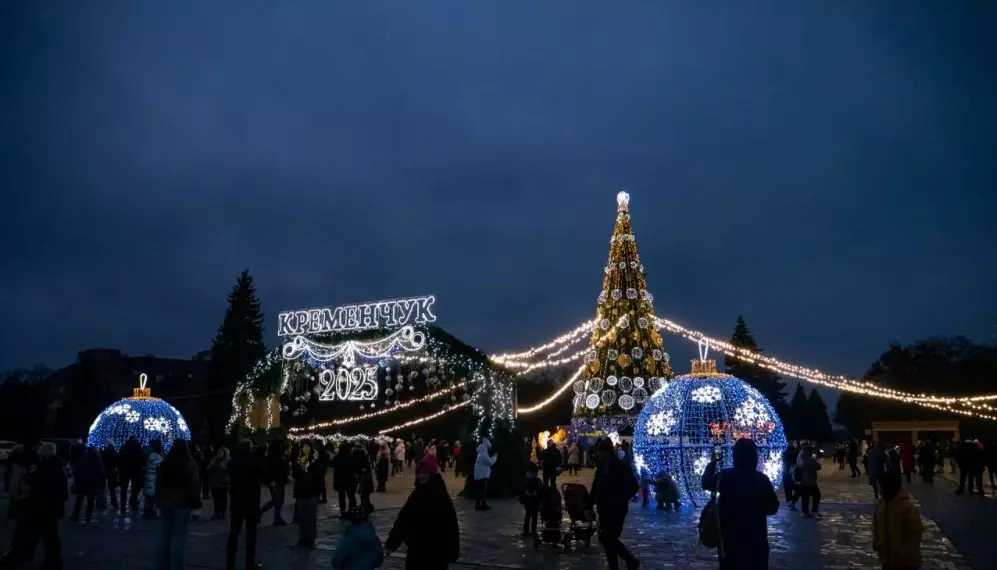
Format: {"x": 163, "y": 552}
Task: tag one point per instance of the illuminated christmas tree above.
{"x": 626, "y": 360}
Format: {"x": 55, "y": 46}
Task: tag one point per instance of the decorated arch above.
{"x": 373, "y": 368}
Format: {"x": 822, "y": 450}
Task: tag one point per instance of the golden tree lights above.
{"x": 624, "y": 365}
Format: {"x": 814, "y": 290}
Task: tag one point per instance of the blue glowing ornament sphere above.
{"x": 143, "y": 417}
{"x": 697, "y": 415}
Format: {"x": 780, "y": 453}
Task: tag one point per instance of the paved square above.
{"x": 843, "y": 539}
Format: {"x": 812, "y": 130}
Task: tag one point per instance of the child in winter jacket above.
{"x": 360, "y": 548}
{"x": 529, "y": 497}
{"x": 666, "y": 492}
{"x": 896, "y": 526}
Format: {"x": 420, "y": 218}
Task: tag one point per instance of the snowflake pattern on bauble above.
{"x": 706, "y": 395}
{"x": 661, "y": 423}
{"x": 751, "y": 412}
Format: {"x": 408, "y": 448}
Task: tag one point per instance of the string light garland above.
{"x": 405, "y": 339}
{"x": 401, "y": 406}
{"x": 494, "y": 402}
{"x": 524, "y": 410}
{"x": 697, "y": 415}
{"x": 950, "y": 404}
{"x": 340, "y": 437}
{"x": 569, "y": 338}
{"x": 141, "y": 417}
{"x": 430, "y": 417}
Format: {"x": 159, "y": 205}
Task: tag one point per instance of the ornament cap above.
{"x": 704, "y": 367}
{"x": 622, "y": 201}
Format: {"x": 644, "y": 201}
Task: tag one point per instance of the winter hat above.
{"x": 427, "y": 465}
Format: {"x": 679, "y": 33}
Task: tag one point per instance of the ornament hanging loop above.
{"x": 142, "y": 391}
{"x": 704, "y": 349}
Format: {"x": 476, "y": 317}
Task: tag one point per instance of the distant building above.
{"x": 100, "y": 376}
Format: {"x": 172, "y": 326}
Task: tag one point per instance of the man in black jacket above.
{"x": 277, "y": 472}
{"x": 613, "y": 487}
{"x": 746, "y": 499}
{"x": 246, "y": 476}
{"x": 131, "y": 470}
{"x": 551, "y": 461}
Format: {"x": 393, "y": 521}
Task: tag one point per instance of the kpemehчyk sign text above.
{"x": 395, "y": 313}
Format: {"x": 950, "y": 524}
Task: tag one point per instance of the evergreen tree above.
{"x": 797, "y": 425}
{"x": 236, "y": 348}
{"x": 817, "y": 418}
{"x": 626, "y": 360}
{"x": 766, "y": 381}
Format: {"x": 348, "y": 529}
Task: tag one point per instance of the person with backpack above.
{"x": 612, "y": 488}
{"x": 734, "y": 521}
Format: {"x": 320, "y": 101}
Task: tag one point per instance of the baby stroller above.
{"x": 583, "y": 526}
{"x": 550, "y": 519}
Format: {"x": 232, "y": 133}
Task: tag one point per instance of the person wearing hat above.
{"x": 427, "y": 524}
{"x": 360, "y": 547}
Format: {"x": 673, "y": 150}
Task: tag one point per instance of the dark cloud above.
{"x": 827, "y": 170}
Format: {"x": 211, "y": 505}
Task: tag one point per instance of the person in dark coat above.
{"x": 443, "y": 456}
{"x": 876, "y": 466}
{"x": 306, "y": 489}
{"x": 178, "y": 493}
{"x": 612, "y": 488}
{"x": 344, "y": 480}
{"x": 418, "y": 449}
{"x": 853, "y": 457}
{"x": 45, "y": 505}
{"x": 131, "y": 471}
{"x": 427, "y": 524}
{"x": 970, "y": 461}
{"x": 321, "y": 470}
{"x": 365, "y": 477}
{"x": 246, "y": 475}
{"x": 926, "y": 461}
{"x": 88, "y": 475}
{"x": 789, "y": 479}
{"x": 202, "y": 457}
{"x": 383, "y": 465}
{"x": 278, "y": 474}
{"x": 551, "y": 464}
{"x": 746, "y": 499}
{"x": 529, "y": 496}
{"x": 109, "y": 457}
{"x": 990, "y": 461}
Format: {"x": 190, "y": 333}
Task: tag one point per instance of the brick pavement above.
{"x": 492, "y": 539}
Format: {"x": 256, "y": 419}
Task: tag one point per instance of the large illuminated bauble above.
{"x": 145, "y": 419}
{"x": 685, "y": 422}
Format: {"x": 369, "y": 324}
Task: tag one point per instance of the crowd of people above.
{"x": 173, "y": 485}
{"x": 968, "y": 458}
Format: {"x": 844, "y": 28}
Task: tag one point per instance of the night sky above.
{"x": 825, "y": 168}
